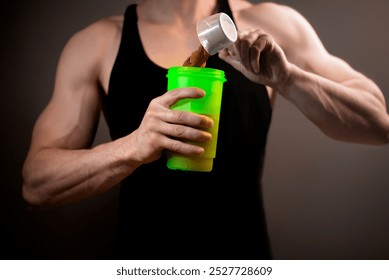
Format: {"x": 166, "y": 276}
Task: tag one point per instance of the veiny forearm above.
{"x": 352, "y": 111}
{"x": 54, "y": 177}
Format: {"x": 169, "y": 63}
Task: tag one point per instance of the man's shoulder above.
{"x": 92, "y": 44}
{"x": 281, "y": 21}
{"x": 263, "y": 10}
{"x": 108, "y": 26}
{"x": 97, "y": 36}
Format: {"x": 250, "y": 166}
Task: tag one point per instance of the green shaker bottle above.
{"x": 211, "y": 81}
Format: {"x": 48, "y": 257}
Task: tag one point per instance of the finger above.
{"x": 229, "y": 53}
{"x": 234, "y": 62}
{"x": 173, "y": 96}
{"x": 180, "y": 147}
{"x": 244, "y": 33}
{"x": 188, "y": 119}
{"x": 245, "y": 48}
{"x": 255, "y": 55}
{"x": 183, "y": 132}
{"x": 234, "y": 49}
{"x": 252, "y": 43}
{"x": 223, "y": 54}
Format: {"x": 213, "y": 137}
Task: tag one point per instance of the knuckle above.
{"x": 179, "y": 115}
{"x": 154, "y": 101}
{"x": 174, "y": 146}
{"x": 179, "y": 130}
{"x": 254, "y": 49}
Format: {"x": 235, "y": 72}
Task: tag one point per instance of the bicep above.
{"x": 311, "y": 55}
{"x": 66, "y": 124}
{"x": 329, "y": 66}
{"x": 70, "y": 119}
{"x": 304, "y": 48}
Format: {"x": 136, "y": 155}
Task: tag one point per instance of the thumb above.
{"x": 232, "y": 60}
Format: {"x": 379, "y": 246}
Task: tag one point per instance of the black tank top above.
{"x": 171, "y": 214}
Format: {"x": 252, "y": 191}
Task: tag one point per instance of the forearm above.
{"x": 54, "y": 177}
{"x": 352, "y": 111}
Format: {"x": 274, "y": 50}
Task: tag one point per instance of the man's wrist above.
{"x": 294, "y": 74}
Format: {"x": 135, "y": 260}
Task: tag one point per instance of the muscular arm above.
{"x": 292, "y": 61}
{"x": 342, "y": 102}
{"x": 349, "y": 107}
{"x": 60, "y": 166}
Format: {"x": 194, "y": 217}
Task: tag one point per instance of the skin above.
{"x": 61, "y": 166}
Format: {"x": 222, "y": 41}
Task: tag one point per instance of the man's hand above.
{"x": 165, "y": 129}
{"x": 258, "y": 57}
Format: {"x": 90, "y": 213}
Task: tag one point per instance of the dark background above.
{"x": 324, "y": 199}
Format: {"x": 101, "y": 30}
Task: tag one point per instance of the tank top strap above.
{"x": 224, "y": 7}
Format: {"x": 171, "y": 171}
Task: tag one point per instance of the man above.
{"x": 101, "y": 67}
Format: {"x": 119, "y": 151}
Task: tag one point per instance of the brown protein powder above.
{"x": 198, "y": 58}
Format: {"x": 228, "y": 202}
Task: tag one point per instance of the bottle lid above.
{"x": 216, "y": 32}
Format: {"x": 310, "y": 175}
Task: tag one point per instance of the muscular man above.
{"x": 217, "y": 214}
